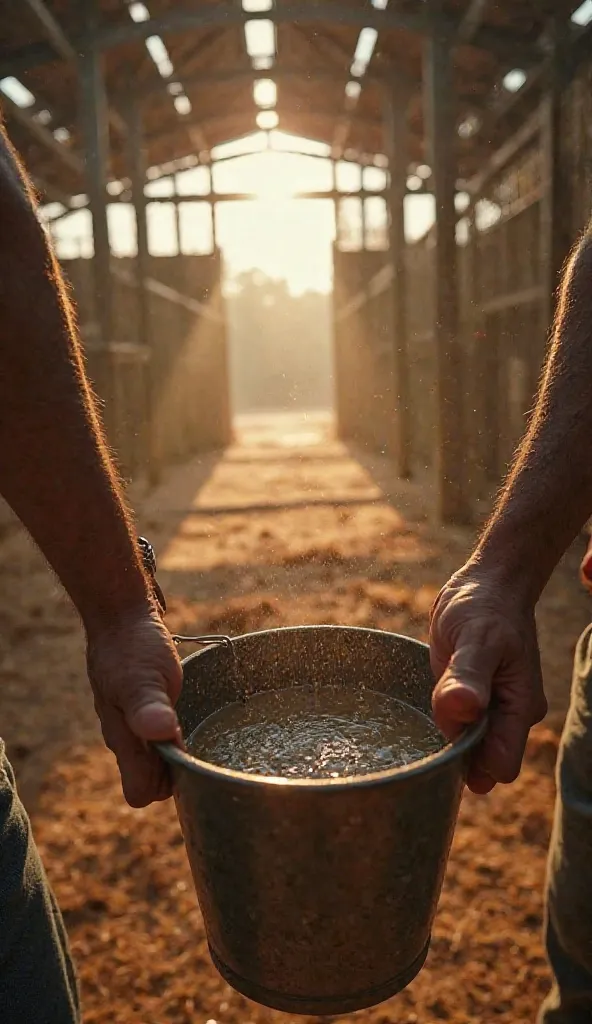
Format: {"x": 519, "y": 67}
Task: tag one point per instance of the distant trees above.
{"x": 280, "y": 346}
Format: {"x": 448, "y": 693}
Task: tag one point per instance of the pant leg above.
{"x": 569, "y": 883}
{"x": 37, "y": 981}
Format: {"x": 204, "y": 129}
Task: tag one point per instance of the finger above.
{"x": 500, "y": 755}
{"x": 144, "y": 775}
{"x": 149, "y": 713}
{"x": 463, "y": 692}
{"x": 479, "y": 782}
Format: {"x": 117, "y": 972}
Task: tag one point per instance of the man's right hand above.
{"x": 485, "y": 657}
{"x": 136, "y": 678}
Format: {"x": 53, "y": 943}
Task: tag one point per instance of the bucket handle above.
{"x": 169, "y": 751}
{"x": 220, "y": 640}
{"x": 149, "y": 561}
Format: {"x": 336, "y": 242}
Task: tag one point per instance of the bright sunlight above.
{"x": 275, "y": 232}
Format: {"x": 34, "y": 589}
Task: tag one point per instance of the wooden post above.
{"x": 336, "y": 201}
{"x": 95, "y": 129}
{"x": 137, "y": 172}
{"x": 397, "y": 130}
{"x": 477, "y": 349}
{"x": 338, "y": 329}
{"x": 175, "y": 195}
{"x": 451, "y": 449}
{"x": 556, "y": 239}
{"x": 213, "y": 209}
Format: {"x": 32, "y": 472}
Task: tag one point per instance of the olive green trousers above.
{"x": 37, "y": 981}
{"x": 569, "y": 885}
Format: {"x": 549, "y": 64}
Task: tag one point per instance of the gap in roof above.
{"x": 42, "y": 117}
{"x": 160, "y": 56}
{"x": 17, "y": 92}
{"x": 583, "y": 15}
{"x": 308, "y": 147}
{"x": 262, "y": 63}
{"x": 182, "y": 105}
{"x": 138, "y": 12}
{"x": 254, "y": 6}
{"x": 253, "y": 143}
{"x": 265, "y": 92}
{"x": 364, "y": 50}
{"x": 260, "y": 39}
{"x": 267, "y": 120}
{"x": 514, "y": 80}
{"x": 380, "y": 5}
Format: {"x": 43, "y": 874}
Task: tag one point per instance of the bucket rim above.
{"x": 431, "y": 764}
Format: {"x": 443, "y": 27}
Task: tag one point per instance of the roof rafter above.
{"x": 232, "y": 76}
{"x": 51, "y": 193}
{"x": 326, "y": 46}
{"x": 343, "y": 126}
{"x": 43, "y": 135}
{"x": 503, "y": 43}
{"x": 233, "y": 120}
{"x": 64, "y": 48}
{"x": 471, "y": 22}
{"x": 51, "y": 29}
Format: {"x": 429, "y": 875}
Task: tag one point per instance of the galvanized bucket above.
{"x": 318, "y": 896}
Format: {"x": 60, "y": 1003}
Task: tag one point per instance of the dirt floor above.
{"x": 288, "y": 527}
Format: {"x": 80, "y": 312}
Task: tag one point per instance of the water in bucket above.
{"x": 323, "y": 732}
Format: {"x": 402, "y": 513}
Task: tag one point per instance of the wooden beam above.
{"x": 50, "y": 193}
{"x": 214, "y": 198}
{"x": 397, "y": 102}
{"x": 137, "y": 173}
{"x": 239, "y": 197}
{"x": 52, "y": 29}
{"x": 506, "y": 153}
{"x": 343, "y": 126}
{"x": 331, "y": 115}
{"x": 505, "y": 44}
{"x": 63, "y": 47}
{"x": 471, "y": 21}
{"x": 96, "y": 139}
{"x": 18, "y": 61}
{"x": 327, "y": 47}
{"x": 232, "y": 76}
{"x": 43, "y": 135}
{"x": 452, "y": 498}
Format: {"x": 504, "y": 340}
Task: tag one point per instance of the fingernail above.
{"x": 179, "y": 738}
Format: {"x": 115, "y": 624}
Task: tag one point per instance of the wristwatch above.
{"x": 149, "y": 560}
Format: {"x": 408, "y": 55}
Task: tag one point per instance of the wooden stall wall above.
{"x": 167, "y": 388}
{"x": 363, "y": 350}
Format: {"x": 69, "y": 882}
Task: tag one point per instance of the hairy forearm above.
{"x": 54, "y": 468}
{"x": 548, "y": 496}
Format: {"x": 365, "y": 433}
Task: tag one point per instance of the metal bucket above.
{"x": 318, "y": 896}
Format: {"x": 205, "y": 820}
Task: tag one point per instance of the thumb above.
{"x": 463, "y": 693}
{"x": 150, "y": 715}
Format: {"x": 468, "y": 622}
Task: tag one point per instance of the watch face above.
{"x": 149, "y": 559}
{"x": 148, "y": 556}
